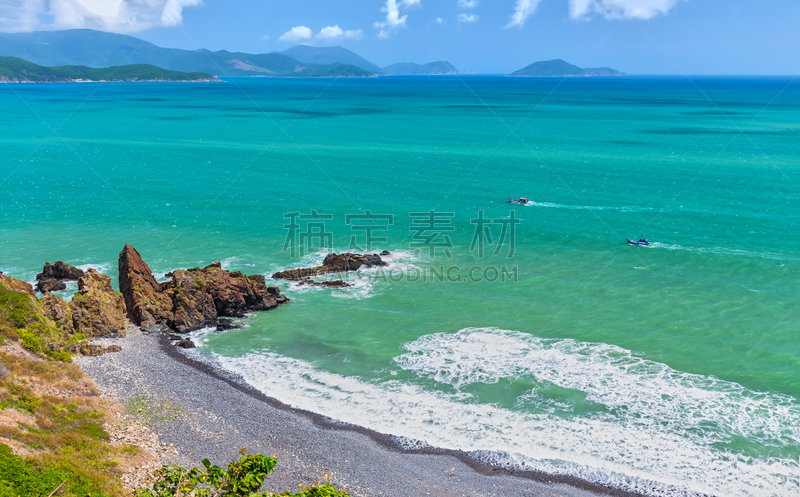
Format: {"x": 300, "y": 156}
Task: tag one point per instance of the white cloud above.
{"x": 439, "y": 20}
{"x": 618, "y": 9}
{"x": 466, "y": 18}
{"x": 522, "y": 11}
{"x": 119, "y": 16}
{"x": 297, "y": 33}
{"x": 335, "y": 32}
{"x": 393, "y": 18}
{"x": 467, "y": 4}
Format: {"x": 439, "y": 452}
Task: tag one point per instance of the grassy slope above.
{"x": 14, "y": 68}
{"x": 62, "y": 436}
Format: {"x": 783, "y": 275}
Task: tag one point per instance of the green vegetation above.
{"x": 149, "y": 410}
{"x": 243, "y": 478}
{"x": 64, "y": 436}
{"x": 22, "y": 318}
{"x": 13, "y": 69}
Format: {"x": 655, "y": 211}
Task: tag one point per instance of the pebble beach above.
{"x": 214, "y": 415}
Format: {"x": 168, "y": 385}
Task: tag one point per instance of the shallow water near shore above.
{"x": 670, "y": 369}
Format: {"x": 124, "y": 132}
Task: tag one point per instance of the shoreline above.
{"x": 383, "y": 440}
{"x": 376, "y": 459}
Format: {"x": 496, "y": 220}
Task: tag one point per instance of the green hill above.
{"x": 560, "y": 68}
{"x": 87, "y": 47}
{"x": 16, "y": 70}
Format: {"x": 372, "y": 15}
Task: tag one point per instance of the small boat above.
{"x": 642, "y": 241}
{"x": 522, "y": 200}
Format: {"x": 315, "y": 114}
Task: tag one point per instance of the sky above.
{"x": 679, "y": 37}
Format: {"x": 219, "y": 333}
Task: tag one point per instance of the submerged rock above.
{"x": 333, "y": 263}
{"x": 224, "y": 324}
{"x": 194, "y": 298}
{"x": 98, "y": 310}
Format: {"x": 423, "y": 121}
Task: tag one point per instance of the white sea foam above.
{"x": 101, "y": 268}
{"x": 235, "y": 263}
{"x": 660, "y": 434}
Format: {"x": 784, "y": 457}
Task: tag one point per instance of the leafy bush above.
{"x": 243, "y": 478}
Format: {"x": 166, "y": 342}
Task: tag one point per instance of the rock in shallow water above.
{"x": 59, "y": 271}
{"x": 333, "y": 263}
{"x": 53, "y": 276}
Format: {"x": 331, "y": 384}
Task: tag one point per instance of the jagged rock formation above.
{"x": 334, "y": 263}
{"x": 145, "y": 304}
{"x": 194, "y": 298}
{"x": 53, "y": 276}
{"x": 97, "y": 309}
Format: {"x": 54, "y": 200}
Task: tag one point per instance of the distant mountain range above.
{"x": 430, "y": 69}
{"x": 561, "y": 69}
{"x": 15, "y": 70}
{"x": 86, "y": 47}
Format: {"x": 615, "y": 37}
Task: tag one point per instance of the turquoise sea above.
{"x": 672, "y": 369}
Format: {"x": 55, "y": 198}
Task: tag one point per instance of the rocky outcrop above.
{"x": 53, "y": 276}
{"x": 51, "y": 323}
{"x": 145, "y": 304}
{"x": 16, "y": 285}
{"x": 334, "y": 263}
{"x": 59, "y": 271}
{"x": 97, "y": 310}
{"x": 194, "y": 298}
{"x": 60, "y": 311}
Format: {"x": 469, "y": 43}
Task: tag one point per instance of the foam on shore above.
{"x": 661, "y": 432}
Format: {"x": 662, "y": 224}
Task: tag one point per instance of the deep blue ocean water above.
{"x": 669, "y": 368}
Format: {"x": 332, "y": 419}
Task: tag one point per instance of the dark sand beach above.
{"x": 221, "y": 415}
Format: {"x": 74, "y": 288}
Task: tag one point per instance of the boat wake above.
{"x": 728, "y": 251}
{"x": 622, "y": 208}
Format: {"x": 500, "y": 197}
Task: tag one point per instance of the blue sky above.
{"x": 497, "y": 36}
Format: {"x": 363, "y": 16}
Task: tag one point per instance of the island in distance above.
{"x": 561, "y": 69}
{"x": 16, "y": 70}
{"x": 441, "y": 68}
